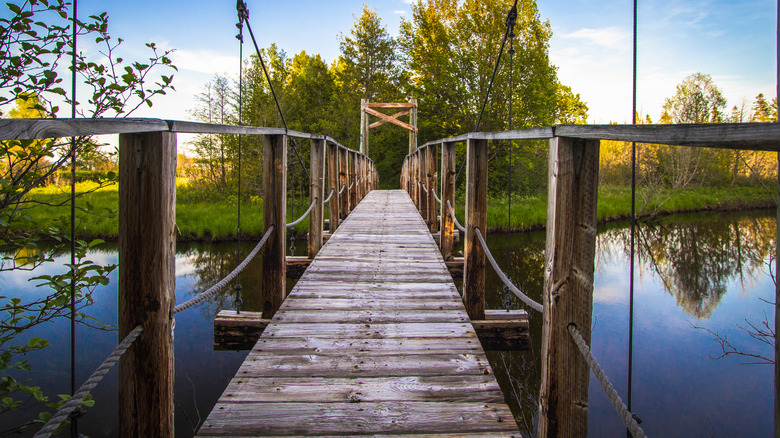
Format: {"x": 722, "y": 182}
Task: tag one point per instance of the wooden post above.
{"x": 274, "y": 213}
{"x": 476, "y": 217}
{"x": 413, "y": 177}
{"x": 447, "y": 194}
{"x": 353, "y": 198}
{"x": 432, "y": 177}
{"x": 363, "y": 127}
{"x": 413, "y": 122}
{"x": 333, "y": 183}
{"x": 568, "y": 285}
{"x": 344, "y": 182}
{"x": 316, "y": 193}
{"x": 147, "y": 280}
{"x": 421, "y": 168}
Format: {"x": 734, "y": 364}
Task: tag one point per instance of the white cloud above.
{"x": 409, "y": 2}
{"x": 399, "y": 12}
{"x": 610, "y": 37}
{"x": 204, "y": 61}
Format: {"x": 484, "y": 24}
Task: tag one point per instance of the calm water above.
{"x": 704, "y": 270}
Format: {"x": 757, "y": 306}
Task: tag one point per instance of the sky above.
{"x": 732, "y": 40}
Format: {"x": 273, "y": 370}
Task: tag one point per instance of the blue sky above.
{"x": 734, "y": 41}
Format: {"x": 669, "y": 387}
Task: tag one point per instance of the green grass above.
{"x": 198, "y": 217}
{"x": 614, "y": 202}
{"x": 212, "y": 217}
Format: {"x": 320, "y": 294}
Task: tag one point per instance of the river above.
{"x": 694, "y": 272}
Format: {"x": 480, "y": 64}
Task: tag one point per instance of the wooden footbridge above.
{"x": 374, "y": 339}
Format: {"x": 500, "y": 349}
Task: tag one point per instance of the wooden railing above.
{"x": 571, "y": 233}
{"x": 147, "y": 236}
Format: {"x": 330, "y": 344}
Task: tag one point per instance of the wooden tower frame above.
{"x": 407, "y": 108}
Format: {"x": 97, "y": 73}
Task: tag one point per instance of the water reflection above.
{"x": 688, "y": 266}
{"x": 696, "y": 258}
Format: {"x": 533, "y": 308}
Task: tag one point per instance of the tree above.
{"x": 370, "y": 55}
{"x": 450, "y": 49}
{"x": 34, "y": 39}
{"x": 697, "y": 100}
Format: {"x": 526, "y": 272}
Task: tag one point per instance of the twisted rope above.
{"x": 612, "y": 395}
{"x": 224, "y": 282}
{"x": 436, "y": 197}
{"x": 424, "y": 188}
{"x": 55, "y": 422}
{"x": 292, "y": 224}
{"x": 351, "y": 185}
{"x": 455, "y": 219}
{"x": 332, "y": 191}
{"x": 531, "y": 303}
{"x": 342, "y": 189}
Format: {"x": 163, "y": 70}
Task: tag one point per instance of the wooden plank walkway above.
{"x": 373, "y": 340}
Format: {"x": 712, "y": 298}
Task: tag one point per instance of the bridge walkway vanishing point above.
{"x": 373, "y": 340}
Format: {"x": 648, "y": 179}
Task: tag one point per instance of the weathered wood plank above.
{"x": 478, "y": 388}
{"x": 317, "y": 419}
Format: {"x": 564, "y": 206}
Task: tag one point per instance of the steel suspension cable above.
{"x": 74, "y": 20}
{"x": 633, "y": 223}
{"x": 512, "y": 12}
{"x": 243, "y": 14}
{"x": 241, "y": 4}
{"x": 511, "y": 19}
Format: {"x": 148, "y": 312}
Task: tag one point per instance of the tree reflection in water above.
{"x": 695, "y": 257}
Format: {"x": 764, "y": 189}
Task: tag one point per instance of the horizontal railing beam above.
{"x": 34, "y": 129}
{"x": 743, "y": 136}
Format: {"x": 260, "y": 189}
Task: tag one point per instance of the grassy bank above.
{"x": 198, "y": 217}
{"x": 614, "y": 203}
{"x": 201, "y": 217}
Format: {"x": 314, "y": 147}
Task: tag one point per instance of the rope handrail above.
{"x": 341, "y": 190}
{"x": 436, "y": 197}
{"x": 332, "y": 191}
{"x": 222, "y": 283}
{"x": 67, "y": 409}
{"x": 612, "y": 395}
{"x": 455, "y": 219}
{"x": 425, "y": 189}
{"x": 531, "y": 303}
{"x": 351, "y": 185}
{"x": 300, "y": 219}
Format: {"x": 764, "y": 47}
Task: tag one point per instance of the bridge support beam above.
{"x": 476, "y": 217}
{"x": 274, "y": 213}
{"x": 568, "y": 285}
{"x": 147, "y": 280}
{"x": 316, "y": 193}
{"x": 447, "y": 194}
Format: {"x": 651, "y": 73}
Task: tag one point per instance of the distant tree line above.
{"x": 661, "y": 168}
{"x": 443, "y": 57}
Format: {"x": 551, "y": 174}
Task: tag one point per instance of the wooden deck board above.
{"x": 373, "y": 340}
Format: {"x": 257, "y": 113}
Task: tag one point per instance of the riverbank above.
{"x": 200, "y": 218}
